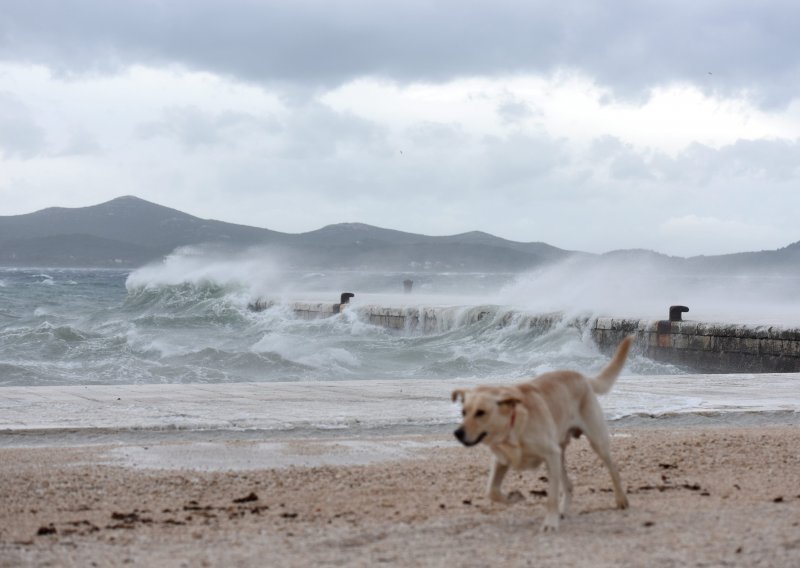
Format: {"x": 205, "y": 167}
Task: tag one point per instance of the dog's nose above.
{"x": 459, "y": 434}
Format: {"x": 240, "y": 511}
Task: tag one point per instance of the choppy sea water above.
{"x": 183, "y": 322}
{"x": 83, "y": 327}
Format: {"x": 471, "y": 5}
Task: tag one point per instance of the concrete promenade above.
{"x": 223, "y": 406}
{"x": 341, "y": 405}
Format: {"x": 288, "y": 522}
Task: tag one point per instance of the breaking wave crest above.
{"x": 187, "y": 320}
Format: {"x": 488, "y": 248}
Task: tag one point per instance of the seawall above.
{"x": 697, "y": 346}
{"x": 707, "y": 347}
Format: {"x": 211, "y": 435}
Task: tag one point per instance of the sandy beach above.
{"x": 701, "y": 496}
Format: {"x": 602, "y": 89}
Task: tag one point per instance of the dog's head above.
{"x": 488, "y": 414}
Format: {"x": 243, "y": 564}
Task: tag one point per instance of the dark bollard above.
{"x": 407, "y": 285}
{"x": 676, "y": 311}
{"x": 344, "y": 299}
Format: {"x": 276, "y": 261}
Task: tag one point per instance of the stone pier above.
{"x": 707, "y": 347}
{"x": 697, "y": 346}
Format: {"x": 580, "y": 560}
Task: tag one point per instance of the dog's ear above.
{"x": 510, "y": 401}
{"x": 457, "y": 394}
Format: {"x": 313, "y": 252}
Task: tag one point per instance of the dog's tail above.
{"x": 603, "y": 382}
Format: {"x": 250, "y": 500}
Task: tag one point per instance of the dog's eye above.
{"x": 479, "y": 414}
{"x": 463, "y": 413}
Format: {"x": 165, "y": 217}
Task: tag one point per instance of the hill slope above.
{"x": 130, "y": 232}
{"x": 125, "y": 231}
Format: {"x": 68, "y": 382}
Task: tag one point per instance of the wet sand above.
{"x": 701, "y": 496}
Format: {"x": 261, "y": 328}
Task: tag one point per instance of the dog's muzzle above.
{"x": 462, "y": 437}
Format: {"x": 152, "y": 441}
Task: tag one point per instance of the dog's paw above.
{"x": 515, "y": 497}
{"x": 563, "y": 505}
{"x": 550, "y": 523}
{"x": 622, "y": 502}
{"x": 497, "y": 497}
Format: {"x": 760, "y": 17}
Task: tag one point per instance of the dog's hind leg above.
{"x": 602, "y": 450}
{"x": 597, "y": 433}
{"x": 554, "y": 462}
{"x": 566, "y": 491}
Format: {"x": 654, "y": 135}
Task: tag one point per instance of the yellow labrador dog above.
{"x": 530, "y": 423}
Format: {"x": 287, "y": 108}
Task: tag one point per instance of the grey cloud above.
{"x": 631, "y": 166}
{"x": 81, "y": 143}
{"x": 521, "y": 160}
{"x": 772, "y": 160}
{"x": 315, "y": 131}
{"x": 195, "y": 128}
{"x": 760, "y": 160}
{"x": 20, "y": 135}
{"x": 624, "y": 162}
{"x": 693, "y": 166}
{"x": 308, "y": 131}
{"x": 514, "y": 110}
{"x": 605, "y": 147}
{"x": 432, "y": 134}
{"x": 308, "y": 150}
{"x": 324, "y": 155}
{"x": 629, "y": 45}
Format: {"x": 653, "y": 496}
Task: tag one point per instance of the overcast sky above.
{"x": 669, "y": 125}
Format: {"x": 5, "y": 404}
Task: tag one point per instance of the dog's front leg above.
{"x": 553, "y": 461}
{"x": 496, "y": 476}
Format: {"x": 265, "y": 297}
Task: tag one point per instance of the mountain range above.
{"x": 128, "y": 232}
